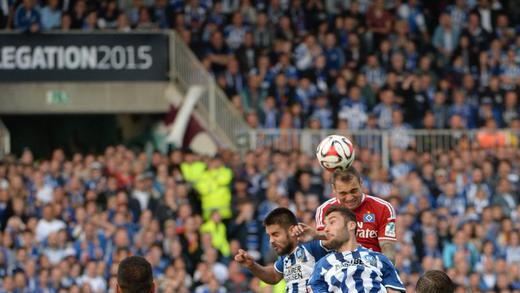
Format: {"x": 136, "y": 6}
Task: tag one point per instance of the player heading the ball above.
{"x": 351, "y": 268}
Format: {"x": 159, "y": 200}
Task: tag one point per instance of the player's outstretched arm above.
{"x": 391, "y": 279}
{"x": 304, "y": 232}
{"x": 265, "y": 273}
{"x": 388, "y": 249}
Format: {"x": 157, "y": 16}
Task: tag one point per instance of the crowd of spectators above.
{"x": 326, "y": 63}
{"x": 67, "y": 222}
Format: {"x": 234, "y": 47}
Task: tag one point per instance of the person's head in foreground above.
{"x": 134, "y": 275}
{"x": 346, "y": 186}
{"x": 278, "y": 225}
{"x": 435, "y": 281}
{"x": 340, "y": 228}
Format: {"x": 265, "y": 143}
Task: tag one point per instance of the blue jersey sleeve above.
{"x": 316, "y": 249}
{"x": 278, "y": 265}
{"x": 390, "y": 276}
{"x": 317, "y": 282}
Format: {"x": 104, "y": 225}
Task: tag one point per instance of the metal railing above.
{"x": 382, "y": 141}
{"x": 223, "y": 118}
{"x": 5, "y": 140}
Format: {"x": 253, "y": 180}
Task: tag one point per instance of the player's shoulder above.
{"x": 380, "y": 204}
{"x": 375, "y": 254}
{"x": 330, "y": 202}
{"x": 369, "y": 251}
{"x": 327, "y": 259}
{"x": 375, "y": 200}
{"x": 320, "y": 211}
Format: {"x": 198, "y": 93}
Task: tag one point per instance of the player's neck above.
{"x": 349, "y": 246}
{"x": 292, "y": 248}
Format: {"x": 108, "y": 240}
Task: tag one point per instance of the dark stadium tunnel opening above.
{"x": 83, "y": 133}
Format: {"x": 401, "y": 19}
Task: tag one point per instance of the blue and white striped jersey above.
{"x": 358, "y": 271}
{"x": 297, "y": 266}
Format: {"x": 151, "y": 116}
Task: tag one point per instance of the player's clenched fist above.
{"x": 244, "y": 259}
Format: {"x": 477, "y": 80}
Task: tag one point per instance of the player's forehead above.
{"x": 346, "y": 185}
{"x": 275, "y": 228}
{"x": 332, "y": 216}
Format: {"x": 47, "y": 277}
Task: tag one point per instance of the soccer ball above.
{"x": 335, "y": 152}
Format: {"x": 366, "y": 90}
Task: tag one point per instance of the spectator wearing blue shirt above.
{"x": 510, "y": 71}
{"x": 374, "y": 73}
{"x": 445, "y": 38}
{"x": 333, "y": 54}
{"x": 384, "y": 109}
{"x": 411, "y": 12}
{"x": 27, "y": 18}
{"x": 320, "y": 73}
{"x": 459, "y": 243}
{"x": 51, "y": 16}
{"x": 235, "y": 32}
{"x": 458, "y": 13}
{"x": 234, "y": 80}
{"x": 323, "y": 112}
{"x": 270, "y": 114}
{"x": 282, "y": 91}
{"x": 399, "y": 133}
{"x": 284, "y": 66}
{"x": 195, "y": 14}
{"x": 462, "y": 108}
{"x": 305, "y": 94}
{"x": 452, "y": 200}
{"x": 353, "y": 109}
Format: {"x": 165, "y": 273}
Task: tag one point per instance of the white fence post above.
{"x": 212, "y": 101}
{"x": 172, "y": 42}
{"x": 385, "y": 149}
{"x": 5, "y": 140}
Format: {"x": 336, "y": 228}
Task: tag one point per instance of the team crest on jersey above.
{"x": 369, "y": 218}
{"x": 299, "y": 254}
{"x": 370, "y": 259}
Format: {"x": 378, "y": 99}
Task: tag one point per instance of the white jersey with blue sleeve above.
{"x": 297, "y": 266}
{"x": 358, "y": 271}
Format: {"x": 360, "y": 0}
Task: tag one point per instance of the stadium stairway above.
{"x": 214, "y": 109}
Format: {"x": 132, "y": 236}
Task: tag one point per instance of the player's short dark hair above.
{"x": 345, "y": 212}
{"x": 134, "y": 275}
{"x": 281, "y": 216}
{"x": 435, "y": 281}
{"x": 346, "y": 175}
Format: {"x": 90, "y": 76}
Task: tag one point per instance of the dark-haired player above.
{"x": 295, "y": 262}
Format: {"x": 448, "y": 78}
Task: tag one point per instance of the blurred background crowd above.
{"x": 329, "y": 63}
{"x": 67, "y": 222}
{"x": 68, "y": 219}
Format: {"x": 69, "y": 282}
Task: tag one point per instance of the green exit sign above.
{"x": 57, "y": 98}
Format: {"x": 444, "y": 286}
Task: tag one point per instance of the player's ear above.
{"x": 351, "y": 226}
{"x": 292, "y": 230}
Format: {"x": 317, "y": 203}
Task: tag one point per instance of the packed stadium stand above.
{"x": 400, "y": 67}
